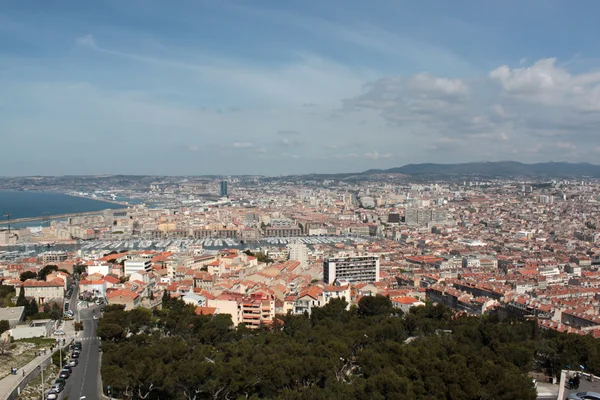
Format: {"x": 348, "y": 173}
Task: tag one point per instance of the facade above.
{"x": 351, "y": 268}
{"x": 96, "y": 287}
{"x": 132, "y": 266}
{"x": 53, "y": 257}
{"x": 298, "y": 252}
{"x": 124, "y": 297}
{"x": 421, "y": 216}
{"x": 223, "y": 188}
{"x": 43, "y": 292}
{"x": 257, "y": 309}
{"x": 283, "y": 231}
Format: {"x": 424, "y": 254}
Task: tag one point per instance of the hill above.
{"x": 496, "y": 169}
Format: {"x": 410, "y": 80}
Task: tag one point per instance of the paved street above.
{"x": 85, "y": 379}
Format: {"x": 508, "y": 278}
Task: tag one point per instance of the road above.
{"x": 85, "y": 379}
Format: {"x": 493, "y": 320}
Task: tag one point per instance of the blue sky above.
{"x": 283, "y": 87}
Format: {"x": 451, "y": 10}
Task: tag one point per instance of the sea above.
{"x": 26, "y": 204}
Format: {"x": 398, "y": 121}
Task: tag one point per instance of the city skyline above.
{"x": 271, "y": 89}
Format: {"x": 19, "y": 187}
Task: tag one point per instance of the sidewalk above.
{"x": 9, "y": 383}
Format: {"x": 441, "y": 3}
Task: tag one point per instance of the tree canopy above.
{"x": 27, "y": 275}
{"x": 365, "y": 352}
{"x": 47, "y": 270}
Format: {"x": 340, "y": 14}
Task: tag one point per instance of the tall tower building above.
{"x": 223, "y": 188}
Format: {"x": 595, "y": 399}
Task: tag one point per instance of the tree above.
{"x": 375, "y": 305}
{"x": 4, "y": 326}
{"x": 31, "y": 308}
{"x": 79, "y": 269}
{"x": 27, "y": 275}
{"x": 47, "y": 270}
{"x": 111, "y": 332}
{"x": 55, "y": 312}
{"x": 21, "y": 300}
{"x": 56, "y": 358}
{"x": 5, "y": 345}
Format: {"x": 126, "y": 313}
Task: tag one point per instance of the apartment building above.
{"x": 137, "y": 265}
{"x": 351, "y": 268}
{"x": 53, "y": 257}
{"x": 43, "y": 292}
{"x": 257, "y": 309}
{"x": 298, "y": 252}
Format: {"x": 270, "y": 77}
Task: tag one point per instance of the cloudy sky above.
{"x": 282, "y": 87}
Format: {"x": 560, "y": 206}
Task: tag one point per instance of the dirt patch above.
{"x": 19, "y": 355}
{"x": 33, "y": 390}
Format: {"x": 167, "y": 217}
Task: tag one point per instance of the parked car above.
{"x": 75, "y": 355}
{"x": 62, "y": 381}
{"x": 64, "y": 374}
{"x": 584, "y": 396}
{"x": 59, "y": 332}
{"x": 78, "y": 345}
{"x": 52, "y": 395}
{"x": 73, "y": 363}
{"x": 58, "y": 387}
{"x": 67, "y": 368}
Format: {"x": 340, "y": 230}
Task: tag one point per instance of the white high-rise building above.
{"x": 138, "y": 265}
{"x": 351, "y": 268}
{"x": 298, "y": 252}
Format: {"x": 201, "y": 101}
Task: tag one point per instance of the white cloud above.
{"x": 86, "y": 40}
{"x": 505, "y": 114}
{"x": 566, "y": 146}
{"x": 500, "y": 114}
{"x": 308, "y": 78}
{"x": 374, "y": 155}
{"x": 242, "y": 145}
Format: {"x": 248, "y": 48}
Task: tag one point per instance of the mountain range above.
{"x": 495, "y": 169}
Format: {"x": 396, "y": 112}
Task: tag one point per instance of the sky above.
{"x": 294, "y": 87}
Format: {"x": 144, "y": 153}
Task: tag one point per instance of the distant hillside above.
{"x": 496, "y": 169}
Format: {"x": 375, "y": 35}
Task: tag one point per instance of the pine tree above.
{"x": 21, "y": 300}
{"x": 32, "y": 308}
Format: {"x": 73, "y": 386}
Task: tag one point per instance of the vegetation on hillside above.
{"x": 369, "y": 352}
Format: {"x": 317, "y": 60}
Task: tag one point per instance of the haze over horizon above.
{"x": 231, "y": 88}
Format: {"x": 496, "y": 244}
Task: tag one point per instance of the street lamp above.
{"x": 42, "y": 370}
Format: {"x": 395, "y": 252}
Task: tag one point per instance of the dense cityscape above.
{"x": 299, "y": 200}
{"x": 256, "y": 250}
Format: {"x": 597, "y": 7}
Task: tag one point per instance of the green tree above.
{"x": 47, "y": 270}
{"x": 111, "y": 332}
{"x": 31, "y": 308}
{"x": 27, "y": 275}
{"x": 56, "y": 360}
{"x": 56, "y": 312}
{"x": 79, "y": 269}
{"x": 4, "y": 326}
{"x": 375, "y": 305}
{"x": 21, "y": 300}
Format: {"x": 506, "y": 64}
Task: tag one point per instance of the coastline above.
{"x": 101, "y": 200}
{"x": 58, "y": 208}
